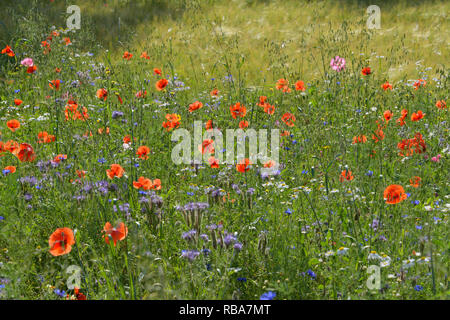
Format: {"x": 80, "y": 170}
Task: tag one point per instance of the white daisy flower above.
{"x": 342, "y": 251}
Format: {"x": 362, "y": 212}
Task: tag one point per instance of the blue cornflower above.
{"x": 288, "y": 211}
{"x": 101, "y": 160}
{"x": 60, "y": 293}
{"x": 419, "y": 227}
{"x": 418, "y": 288}
{"x": 369, "y": 173}
{"x": 268, "y": 295}
{"x": 242, "y": 279}
{"x": 311, "y": 274}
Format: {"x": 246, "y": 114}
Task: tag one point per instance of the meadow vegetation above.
{"x": 85, "y": 145}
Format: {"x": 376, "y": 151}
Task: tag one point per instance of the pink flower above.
{"x": 27, "y": 62}
{"x": 337, "y": 63}
{"x": 436, "y": 159}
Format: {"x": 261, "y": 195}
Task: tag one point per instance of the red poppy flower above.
{"x": 378, "y": 136}
{"x": 173, "y": 121}
{"x": 10, "y": 146}
{"x": 262, "y": 101}
{"x": 214, "y": 92}
{"x": 359, "y": 139}
{"x": 440, "y": 104}
{"x": 346, "y": 175}
{"x": 300, "y": 86}
{"x": 61, "y": 241}
{"x": 269, "y": 109}
{"x": 366, "y": 71}
{"x": 283, "y": 84}
{"x": 32, "y": 69}
{"x": 8, "y": 51}
{"x": 195, "y": 106}
{"x": 386, "y": 86}
{"x": 387, "y": 115}
{"x": 116, "y": 234}
{"x": 238, "y": 110}
{"x": 410, "y": 146}
{"x": 213, "y": 162}
{"x": 400, "y": 120}
{"x": 269, "y": 164}
{"x": 419, "y": 83}
{"x": 161, "y": 84}
{"x": 415, "y": 182}
{"x": 143, "y": 152}
{"x": 157, "y": 71}
{"x": 60, "y": 157}
{"x": 141, "y": 94}
{"x": 72, "y": 112}
{"x": 13, "y": 125}
{"x": 243, "y": 124}
{"x": 394, "y": 194}
{"x": 288, "y": 119}
{"x": 79, "y": 295}
{"x": 143, "y": 183}
{"x": 17, "y": 102}
{"x": 417, "y": 116}
{"x": 46, "y": 47}
{"x": 243, "y": 165}
{"x": 157, "y": 184}
{"x": 81, "y": 173}
{"x": 144, "y": 55}
{"x": 102, "y": 94}
{"x": 209, "y": 125}
{"x": 126, "y": 139}
{"x": 127, "y": 55}
{"x": 102, "y": 130}
{"x": 54, "y": 84}
{"x": 115, "y": 171}
{"x": 206, "y": 146}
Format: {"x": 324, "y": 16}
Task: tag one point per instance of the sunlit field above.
{"x": 351, "y": 204}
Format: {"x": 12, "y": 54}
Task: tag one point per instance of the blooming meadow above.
{"x": 87, "y": 178}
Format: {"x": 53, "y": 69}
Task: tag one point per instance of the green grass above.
{"x": 284, "y": 248}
